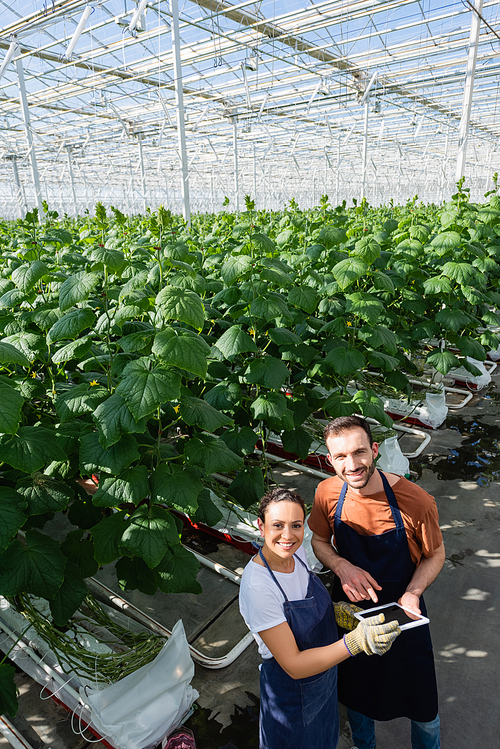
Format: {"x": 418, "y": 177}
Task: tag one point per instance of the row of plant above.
{"x": 153, "y": 356}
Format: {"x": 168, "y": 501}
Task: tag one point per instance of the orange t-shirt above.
{"x": 371, "y": 514}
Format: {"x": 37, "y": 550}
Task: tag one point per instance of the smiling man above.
{"x": 380, "y": 535}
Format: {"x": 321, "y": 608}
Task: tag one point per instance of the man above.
{"x": 388, "y": 547}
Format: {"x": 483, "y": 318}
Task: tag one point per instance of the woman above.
{"x": 290, "y": 613}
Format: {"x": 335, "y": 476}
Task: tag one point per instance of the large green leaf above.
{"x": 12, "y": 505}
{"x": 443, "y": 361}
{"x": 382, "y": 360}
{"x": 303, "y": 297}
{"x": 70, "y": 595}
{"x": 79, "y": 549}
{"x": 177, "y": 572}
{"x": 235, "y": 268}
{"x": 131, "y": 486}
{"x": 339, "y": 405}
{"x": 447, "y": 241}
{"x": 371, "y": 406}
{"x": 93, "y": 457}
{"x": 452, "y": 319}
{"x": 136, "y": 341}
{"x": 368, "y": 249}
{"x": 113, "y": 418}
{"x": 76, "y": 289}
{"x": 176, "y": 486}
{"x": 248, "y": 487}
{"x": 150, "y": 532}
{"x": 10, "y": 412}
{"x": 73, "y": 350}
{"x": 331, "y": 235}
{"x": 383, "y": 282}
{"x": 182, "y": 305}
{"x": 211, "y": 454}
{"x": 44, "y": 494}
{"x": 240, "y": 440}
{"x": 379, "y": 336}
{"x": 262, "y": 242}
{"x": 8, "y": 690}
{"x": 30, "y": 449}
{"x": 207, "y": 512}
{"x": 437, "y": 285}
{"x": 134, "y": 574}
{"x": 365, "y": 306}
{"x": 71, "y": 324}
{"x": 270, "y": 307}
{"x": 235, "y": 341}
{"x": 463, "y": 273}
{"x": 145, "y": 387}
{"x": 79, "y": 400}
{"x": 297, "y": 441}
{"x": 9, "y": 354}
{"x": 30, "y": 344}
{"x": 283, "y": 336}
{"x": 36, "y": 567}
{"x": 199, "y": 412}
{"x": 27, "y": 276}
{"x": 269, "y": 406}
{"x": 470, "y": 347}
{"x": 349, "y": 270}
{"x": 345, "y": 361}
{"x": 183, "y": 349}
{"x": 225, "y": 396}
{"x": 107, "y": 536}
{"x": 114, "y": 260}
{"x": 267, "y": 371}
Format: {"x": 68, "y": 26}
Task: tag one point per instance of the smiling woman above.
{"x": 291, "y": 615}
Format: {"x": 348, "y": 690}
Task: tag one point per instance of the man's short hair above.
{"x": 345, "y": 424}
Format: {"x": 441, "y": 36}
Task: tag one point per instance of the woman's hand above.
{"x": 372, "y": 636}
{"x": 344, "y": 615}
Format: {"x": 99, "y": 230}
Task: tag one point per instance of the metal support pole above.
{"x": 365, "y": 148}
{"x": 179, "y": 100}
{"x": 70, "y": 169}
{"x": 463, "y": 132}
{"x": 29, "y": 136}
{"x": 235, "y": 156}
{"x": 443, "y": 169}
{"x": 19, "y": 189}
{"x": 337, "y": 184}
{"x": 254, "y": 176}
{"x": 143, "y": 174}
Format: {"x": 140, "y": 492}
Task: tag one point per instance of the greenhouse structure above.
{"x": 224, "y": 224}
{"x": 149, "y": 103}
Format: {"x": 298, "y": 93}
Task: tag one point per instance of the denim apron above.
{"x": 401, "y": 683}
{"x": 300, "y": 713}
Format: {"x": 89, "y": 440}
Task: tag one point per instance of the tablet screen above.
{"x": 391, "y": 613}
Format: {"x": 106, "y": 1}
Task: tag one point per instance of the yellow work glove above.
{"x": 344, "y": 615}
{"x": 372, "y": 636}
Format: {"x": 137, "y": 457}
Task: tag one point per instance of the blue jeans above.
{"x": 423, "y": 735}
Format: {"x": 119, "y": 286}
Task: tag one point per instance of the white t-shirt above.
{"x": 261, "y": 601}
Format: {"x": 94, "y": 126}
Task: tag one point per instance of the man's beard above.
{"x": 370, "y": 470}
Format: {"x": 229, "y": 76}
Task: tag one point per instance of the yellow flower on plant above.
{"x": 33, "y": 374}
{"x": 94, "y": 382}
{"x": 252, "y": 331}
{"x": 349, "y": 324}
{"x": 177, "y": 408}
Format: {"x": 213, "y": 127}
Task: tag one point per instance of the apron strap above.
{"x": 261, "y": 555}
{"x": 391, "y": 498}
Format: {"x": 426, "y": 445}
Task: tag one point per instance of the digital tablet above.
{"x": 406, "y": 618}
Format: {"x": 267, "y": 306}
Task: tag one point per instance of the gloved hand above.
{"x": 344, "y": 615}
{"x": 371, "y": 636}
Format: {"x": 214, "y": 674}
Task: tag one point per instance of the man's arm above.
{"x": 357, "y": 584}
{"x": 424, "y": 575}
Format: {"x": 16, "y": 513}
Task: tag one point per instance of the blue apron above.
{"x": 401, "y": 683}
{"x": 299, "y": 713}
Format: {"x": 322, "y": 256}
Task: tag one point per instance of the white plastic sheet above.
{"x": 479, "y": 381}
{"x": 140, "y": 709}
{"x": 391, "y": 459}
{"x": 431, "y": 411}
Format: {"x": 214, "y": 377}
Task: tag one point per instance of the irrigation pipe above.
{"x": 15, "y": 739}
{"x": 466, "y": 393}
{"x": 40, "y": 662}
{"x": 105, "y": 593}
{"x": 295, "y": 466}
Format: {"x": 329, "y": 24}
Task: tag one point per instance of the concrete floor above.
{"x": 460, "y": 468}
